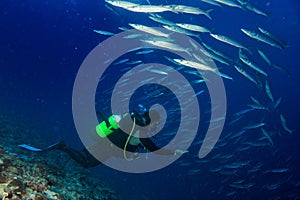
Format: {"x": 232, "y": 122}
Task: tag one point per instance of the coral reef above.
{"x": 25, "y": 175}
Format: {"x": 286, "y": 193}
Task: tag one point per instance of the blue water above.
{"x": 43, "y": 44}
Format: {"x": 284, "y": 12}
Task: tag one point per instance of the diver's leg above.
{"x": 90, "y": 161}
{"x": 81, "y": 157}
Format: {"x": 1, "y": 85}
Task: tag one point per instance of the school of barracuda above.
{"x": 243, "y": 65}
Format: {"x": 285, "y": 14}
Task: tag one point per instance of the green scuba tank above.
{"x": 103, "y": 129}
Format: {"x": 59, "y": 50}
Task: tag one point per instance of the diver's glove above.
{"x": 180, "y": 152}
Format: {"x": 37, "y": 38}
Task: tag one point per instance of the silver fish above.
{"x": 190, "y": 10}
{"x": 262, "y": 38}
{"x": 148, "y": 8}
{"x": 145, "y": 52}
{"x": 212, "y": 55}
{"x": 238, "y": 134}
{"x": 166, "y": 45}
{"x": 225, "y": 76}
{"x": 180, "y": 30}
{"x": 258, "y": 107}
{"x": 161, "y": 20}
{"x": 111, "y": 9}
{"x": 231, "y": 3}
{"x": 200, "y": 92}
{"x": 268, "y": 91}
{"x": 246, "y": 4}
{"x": 254, "y": 126}
{"x": 228, "y": 40}
{"x": 121, "y": 4}
{"x": 264, "y": 57}
{"x": 193, "y": 27}
{"x": 248, "y": 62}
{"x": 193, "y": 64}
{"x": 124, "y": 28}
{"x": 150, "y": 30}
{"x": 131, "y": 36}
{"x": 217, "y": 52}
{"x": 244, "y": 73}
{"x": 267, "y": 136}
{"x": 242, "y": 112}
{"x": 212, "y": 2}
{"x": 283, "y": 122}
{"x": 281, "y": 68}
{"x": 279, "y": 170}
{"x": 158, "y": 71}
{"x": 258, "y": 11}
{"x": 255, "y": 101}
{"x": 273, "y": 37}
{"x": 277, "y": 103}
{"x": 134, "y": 62}
{"x": 103, "y": 32}
{"x": 121, "y": 61}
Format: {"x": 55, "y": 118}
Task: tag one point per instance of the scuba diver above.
{"x": 117, "y": 139}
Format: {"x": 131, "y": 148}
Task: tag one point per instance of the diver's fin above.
{"x": 54, "y": 146}
{"x": 30, "y": 148}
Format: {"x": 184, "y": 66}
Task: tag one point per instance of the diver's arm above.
{"x": 151, "y": 146}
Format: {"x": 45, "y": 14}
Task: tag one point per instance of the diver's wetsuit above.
{"x": 83, "y": 157}
{"x": 118, "y": 138}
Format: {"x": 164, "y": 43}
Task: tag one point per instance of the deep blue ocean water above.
{"x": 43, "y": 44}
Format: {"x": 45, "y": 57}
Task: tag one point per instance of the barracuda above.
{"x": 181, "y": 30}
{"x": 161, "y": 20}
{"x": 272, "y": 36}
{"x": 166, "y": 45}
{"x": 190, "y": 10}
{"x": 264, "y": 57}
{"x": 212, "y": 2}
{"x": 283, "y": 122}
{"x": 244, "y": 73}
{"x": 121, "y": 4}
{"x": 228, "y": 40}
{"x": 262, "y": 38}
{"x": 268, "y": 91}
{"x": 267, "y": 136}
{"x": 246, "y": 60}
{"x": 148, "y": 8}
{"x": 219, "y": 53}
{"x": 254, "y": 126}
{"x": 103, "y": 32}
{"x": 229, "y": 3}
{"x": 250, "y": 7}
{"x": 193, "y": 27}
{"x": 150, "y": 30}
{"x": 193, "y": 64}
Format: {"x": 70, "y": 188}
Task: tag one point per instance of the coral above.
{"x": 30, "y": 176}
{"x": 40, "y": 197}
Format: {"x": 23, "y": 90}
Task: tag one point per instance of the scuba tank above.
{"x": 107, "y": 127}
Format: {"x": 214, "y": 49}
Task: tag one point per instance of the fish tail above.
{"x": 285, "y": 44}
{"x": 188, "y": 52}
{"x": 248, "y": 50}
{"x": 268, "y": 14}
{"x": 210, "y": 10}
{"x": 199, "y": 37}
{"x": 207, "y": 13}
